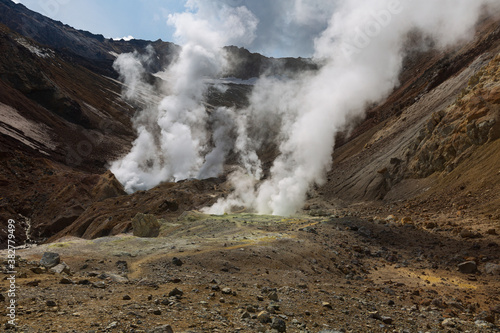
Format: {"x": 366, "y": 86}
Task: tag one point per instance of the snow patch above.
{"x": 42, "y": 53}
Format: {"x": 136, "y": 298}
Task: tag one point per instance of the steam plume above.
{"x": 360, "y": 52}
{"x": 172, "y": 135}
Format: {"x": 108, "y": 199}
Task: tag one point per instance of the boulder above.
{"x": 145, "y": 225}
{"x": 50, "y": 259}
{"x": 467, "y": 267}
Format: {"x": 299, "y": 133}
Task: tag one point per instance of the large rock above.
{"x": 145, "y": 225}
{"x": 467, "y": 267}
{"x": 50, "y": 259}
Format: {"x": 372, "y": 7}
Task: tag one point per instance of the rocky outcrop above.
{"x": 145, "y": 225}
{"x": 107, "y": 187}
{"x": 451, "y": 135}
{"x": 114, "y": 215}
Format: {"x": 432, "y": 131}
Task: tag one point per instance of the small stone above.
{"x": 469, "y": 234}
{"x": 278, "y": 324}
{"x": 439, "y": 303}
{"x": 99, "y": 285}
{"x": 375, "y": 315}
{"x": 50, "y": 259}
{"x": 246, "y": 315}
{"x": 483, "y": 324}
{"x": 162, "y": 329}
{"x": 177, "y": 262}
{"x": 33, "y": 283}
{"x": 251, "y": 309}
{"x": 492, "y": 269}
{"x": 157, "y": 312}
{"x": 449, "y": 322}
{"x": 260, "y": 298}
{"x": 326, "y": 305}
{"x": 115, "y": 277}
{"x": 491, "y": 232}
{"x": 126, "y": 298}
{"x": 38, "y": 270}
{"x": 84, "y": 282}
{"x": 264, "y": 317}
{"x": 61, "y": 268}
{"x": 66, "y": 281}
{"x": 467, "y": 267}
{"x": 386, "y": 320}
{"x": 227, "y": 291}
{"x": 112, "y": 325}
{"x": 175, "y": 292}
{"x": 51, "y": 303}
{"x": 273, "y": 296}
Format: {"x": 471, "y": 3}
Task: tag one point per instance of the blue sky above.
{"x": 142, "y": 19}
{"x": 285, "y": 27}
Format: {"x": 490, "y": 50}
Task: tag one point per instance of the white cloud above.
{"x": 125, "y": 38}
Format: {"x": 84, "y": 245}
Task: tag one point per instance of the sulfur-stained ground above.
{"x": 233, "y": 272}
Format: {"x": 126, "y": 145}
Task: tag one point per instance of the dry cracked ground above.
{"x": 325, "y": 271}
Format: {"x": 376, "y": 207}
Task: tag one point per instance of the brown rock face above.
{"x": 451, "y": 135}
{"x": 107, "y": 187}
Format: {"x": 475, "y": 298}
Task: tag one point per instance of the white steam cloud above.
{"x": 360, "y": 52}
{"x": 172, "y": 134}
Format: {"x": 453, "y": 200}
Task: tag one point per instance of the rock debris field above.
{"x": 322, "y": 272}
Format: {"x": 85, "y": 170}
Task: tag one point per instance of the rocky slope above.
{"x": 433, "y": 122}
